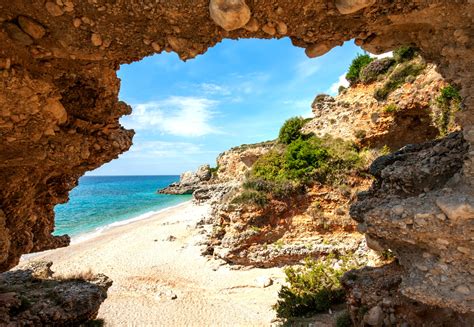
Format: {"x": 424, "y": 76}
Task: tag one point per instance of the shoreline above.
{"x": 82, "y": 237}
{"x": 160, "y": 277}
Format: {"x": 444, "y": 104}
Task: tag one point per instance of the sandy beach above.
{"x": 161, "y": 279}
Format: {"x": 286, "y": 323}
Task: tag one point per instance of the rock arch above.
{"x": 59, "y": 106}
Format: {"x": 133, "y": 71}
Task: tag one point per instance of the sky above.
{"x": 240, "y": 91}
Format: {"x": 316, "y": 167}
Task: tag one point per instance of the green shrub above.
{"x": 323, "y": 160}
{"x": 390, "y": 108}
{"x": 269, "y": 166}
{"x": 291, "y": 130}
{"x": 280, "y": 189}
{"x": 214, "y": 171}
{"x": 312, "y": 288}
{"x": 341, "y": 89}
{"x": 449, "y": 102}
{"x": 298, "y": 162}
{"x": 344, "y": 320}
{"x": 360, "y": 134}
{"x": 356, "y": 66}
{"x": 398, "y": 77}
{"x": 251, "y": 197}
{"x": 302, "y": 158}
{"x": 376, "y": 68}
{"x": 404, "y": 53}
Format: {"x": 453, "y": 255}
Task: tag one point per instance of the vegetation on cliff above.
{"x": 299, "y": 160}
{"x": 361, "y": 61}
{"x": 448, "y": 102}
{"x": 313, "y": 287}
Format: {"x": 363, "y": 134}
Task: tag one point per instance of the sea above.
{"x": 102, "y": 202}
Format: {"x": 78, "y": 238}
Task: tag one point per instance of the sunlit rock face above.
{"x": 59, "y": 105}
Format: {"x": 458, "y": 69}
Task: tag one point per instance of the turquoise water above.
{"x": 99, "y": 201}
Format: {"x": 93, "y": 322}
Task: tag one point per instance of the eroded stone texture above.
{"x": 42, "y": 154}
{"x": 417, "y": 209}
{"x": 33, "y": 296}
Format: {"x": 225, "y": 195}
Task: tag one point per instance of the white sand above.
{"x": 147, "y": 270}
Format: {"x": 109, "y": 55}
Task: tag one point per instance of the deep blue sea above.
{"x": 102, "y": 201}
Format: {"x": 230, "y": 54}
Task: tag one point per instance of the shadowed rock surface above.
{"x": 32, "y": 296}
{"x": 414, "y": 209}
{"x": 60, "y": 109}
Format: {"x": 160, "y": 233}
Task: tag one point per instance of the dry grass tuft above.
{"x": 86, "y": 275}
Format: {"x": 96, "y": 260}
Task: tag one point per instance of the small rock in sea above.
{"x": 264, "y": 281}
{"x": 171, "y": 238}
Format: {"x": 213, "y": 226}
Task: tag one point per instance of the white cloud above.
{"x": 334, "y": 88}
{"x": 383, "y": 55}
{"x": 163, "y": 149}
{"x": 211, "y": 88}
{"x": 306, "y": 68}
{"x": 302, "y": 107}
{"x": 180, "y": 116}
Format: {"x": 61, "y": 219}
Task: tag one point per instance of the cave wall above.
{"x": 59, "y": 106}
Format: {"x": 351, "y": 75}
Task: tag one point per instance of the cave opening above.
{"x": 186, "y": 113}
{"x": 60, "y": 119}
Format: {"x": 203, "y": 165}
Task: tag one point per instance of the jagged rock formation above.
{"x": 356, "y": 115}
{"x": 62, "y": 56}
{"x": 33, "y": 296}
{"x": 310, "y": 223}
{"x": 189, "y": 181}
{"x": 415, "y": 209}
{"x": 374, "y": 299}
{"x": 316, "y": 222}
{"x": 233, "y": 164}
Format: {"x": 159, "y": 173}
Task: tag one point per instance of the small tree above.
{"x": 356, "y": 66}
{"x": 291, "y": 130}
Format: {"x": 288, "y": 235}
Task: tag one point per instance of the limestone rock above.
{"x": 457, "y": 208}
{"x": 317, "y": 50}
{"x": 31, "y": 27}
{"x": 355, "y": 115}
{"x": 39, "y": 168}
{"x": 17, "y": 34}
{"x": 96, "y": 39}
{"x": 55, "y": 108}
{"x": 374, "y": 317}
{"x": 189, "y": 181}
{"x": 350, "y": 6}
{"x": 263, "y": 281}
{"x": 31, "y": 295}
{"x": 229, "y": 14}
{"x": 53, "y": 9}
{"x": 406, "y": 178}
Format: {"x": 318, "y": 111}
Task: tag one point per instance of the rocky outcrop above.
{"x": 407, "y": 116}
{"x": 309, "y": 223}
{"x": 33, "y": 296}
{"x": 374, "y": 299}
{"x": 189, "y": 181}
{"x": 416, "y": 210}
{"x": 72, "y": 65}
{"x": 233, "y": 164}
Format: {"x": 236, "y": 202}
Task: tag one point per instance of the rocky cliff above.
{"x": 315, "y": 220}
{"x": 407, "y": 116}
{"x": 189, "y": 181}
{"x": 34, "y": 296}
{"x": 59, "y": 89}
